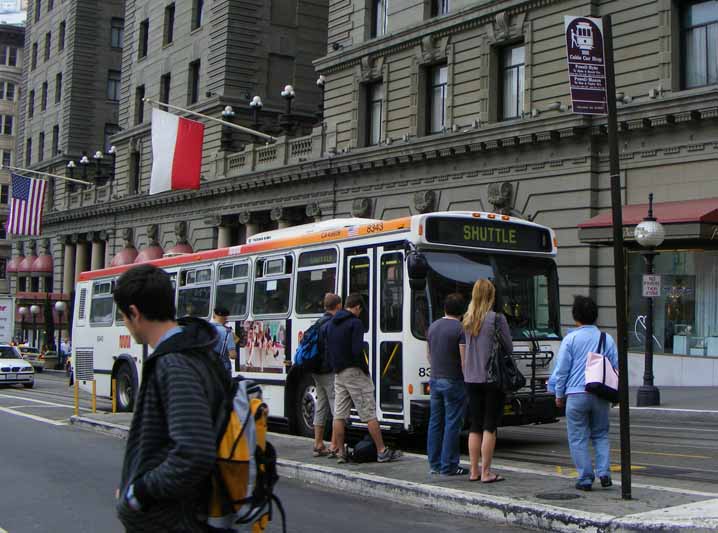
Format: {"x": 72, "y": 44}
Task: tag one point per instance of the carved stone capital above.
{"x": 31, "y": 248}
{"x": 245, "y": 217}
{"x": 425, "y": 201}
{"x": 313, "y": 210}
{"x": 153, "y": 235}
{"x": 181, "y": 232}
{"x": 44, "y": 246}
{"x": 361, "y": 207}
{"x": 128, "y": 236}
{"x": 277, "y": 214}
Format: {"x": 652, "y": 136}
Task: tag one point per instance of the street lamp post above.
{"x": 98, "y": 164}
{"x": 649, "y": 234}
{"x": 60, "y": 309}
{"x": 83, "y": 165}
{"x": 71, "y": 169}
{"x": 23, "y": 313}
{"x": 321, "y": 83}
{"x": 113, "y": 154}
{"x": 256, "y": 105}
{"x": 286, "y": 122}
{"x": 34, "y": 310}
{"x": 227, "y": 141}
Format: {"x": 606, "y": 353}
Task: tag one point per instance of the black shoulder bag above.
{"x": 502, "y": 367}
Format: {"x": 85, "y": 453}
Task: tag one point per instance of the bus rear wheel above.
{"x": 126, "y": 388}
{"x": 305, "y": 406}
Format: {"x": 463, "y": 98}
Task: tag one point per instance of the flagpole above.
{"x": 81, "y": 182}
{"x": 223, "y": 122}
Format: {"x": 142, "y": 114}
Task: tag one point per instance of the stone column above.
{"x": 281, "y": 216}
{"x": 68, "y": 268}
{"x": 81, "y": 257}
{"x": 313, "y": 211}
{"x": 224, "y": 238}
{"x": 98, "y": 254}
{"x": 251, "y": 227}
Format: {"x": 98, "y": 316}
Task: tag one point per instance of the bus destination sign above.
{"x": 483, "y": 233}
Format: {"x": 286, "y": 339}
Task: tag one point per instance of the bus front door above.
{"x": 360, "y": 281}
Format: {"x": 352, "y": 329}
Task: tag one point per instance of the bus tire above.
{"x": 126, "y": 387}
{"x": 305, "y": 406}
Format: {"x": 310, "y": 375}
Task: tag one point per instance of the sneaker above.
{"x": 388, "y": 455}
{"x": 460, "y": 471}
{"x": 606, "y": 482}
{"x": 583, "y": 486}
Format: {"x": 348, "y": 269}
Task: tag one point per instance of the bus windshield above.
{"x": 526, "y": 291}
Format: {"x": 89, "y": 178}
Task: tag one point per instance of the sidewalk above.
{"x": 530, "y": 498}
{"x": 691, "y": 404}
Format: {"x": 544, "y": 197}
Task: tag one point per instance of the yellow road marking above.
{"x": 617, "y": 468}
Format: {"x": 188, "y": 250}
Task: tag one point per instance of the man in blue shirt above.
{"x": 586, "y": 413}
{"x": 225, "y": 347}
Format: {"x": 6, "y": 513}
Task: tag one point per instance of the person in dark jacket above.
{"x": 171, "y": 446}
{"x": 352, "y": 384}
{"x": 324, "y": 380}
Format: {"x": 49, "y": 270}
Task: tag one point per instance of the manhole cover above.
{"x": 557, "y": 496}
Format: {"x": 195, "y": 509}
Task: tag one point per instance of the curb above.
{"x": 498, "y": 509}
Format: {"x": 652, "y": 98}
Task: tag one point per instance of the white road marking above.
{"x": 42, "y": 402}
{"x": 33, "y": 417}
{"x": 675, "y": 428}
{"x": 672, "y": 410}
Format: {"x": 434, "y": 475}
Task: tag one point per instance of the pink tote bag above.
{"x": 601, "y": 377}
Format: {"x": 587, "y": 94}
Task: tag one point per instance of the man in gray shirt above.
{"x": 445, "y": 350}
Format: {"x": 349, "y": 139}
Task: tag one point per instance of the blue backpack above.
{"x": 307, "y": 355}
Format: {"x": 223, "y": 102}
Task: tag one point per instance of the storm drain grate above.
{"x": 557, "y": 496}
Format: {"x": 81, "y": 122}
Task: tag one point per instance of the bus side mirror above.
{"x": 418, "y": 268}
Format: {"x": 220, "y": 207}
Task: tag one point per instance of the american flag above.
{"x": 28, "y": 199}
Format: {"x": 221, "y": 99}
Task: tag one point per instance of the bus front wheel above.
{"x": 305, "y": 406}
{"x": 126, "y": 388}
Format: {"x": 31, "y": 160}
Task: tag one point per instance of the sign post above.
{"x": 589, "y": 50}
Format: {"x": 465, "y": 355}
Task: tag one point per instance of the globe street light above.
{"x": 24, "y": 311}
{"x": 228, "y": 116}
{"x": 286, "y": 122}
{"x": 83, "y": 165}
{"x": 34, "y": 310}
{"x": 321, "y": 83}
{"x": 649, "y": 234}
{"x": 60, "y": 309}
{"x": 256, "y": 105}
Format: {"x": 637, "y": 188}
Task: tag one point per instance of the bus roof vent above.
{"x": 83, "y": 301}
{"x": 307, "y": 229}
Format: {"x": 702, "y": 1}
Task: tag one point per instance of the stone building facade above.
{"x": 11, "y": 58}
{"x": 447, "y": 105}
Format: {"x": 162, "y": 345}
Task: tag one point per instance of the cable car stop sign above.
{"x": 586, "y": 65}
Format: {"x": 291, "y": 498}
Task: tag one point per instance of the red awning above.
{"x": 43, "y": 265}
{"x": 697, "y": 211}
{"x": 14, "y": 263}
{"x": 150, "y": 253}
{"x": 25, "y": 266}
{"x": 126, "y": 256}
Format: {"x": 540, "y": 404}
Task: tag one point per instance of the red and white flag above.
{"x": 26, "y": 204}
{"x": 176, "y": 152}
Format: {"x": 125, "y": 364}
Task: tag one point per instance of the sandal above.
{"x": 320, "y": 452}
{"x": 494, "y": 479}
{"x": 332, "y": 454}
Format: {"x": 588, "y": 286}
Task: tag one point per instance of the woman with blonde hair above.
{"x": 486, "y": 400}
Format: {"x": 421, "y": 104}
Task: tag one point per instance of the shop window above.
{"x": 374, "y": 113}
{"x": 22, "y": 284}
{"x": 436, "y": 99}
{"x": 685, "y": 315}
{"x": 34, "y": 284}
{"x": 512, "y": 82}
{"x": 379, "y": 18}
{"x": 699, "y": 29}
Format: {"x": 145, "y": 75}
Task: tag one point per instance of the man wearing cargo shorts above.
{"x": 344, "y": 336}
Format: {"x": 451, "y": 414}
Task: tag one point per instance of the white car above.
{"x": 14, "y": 369}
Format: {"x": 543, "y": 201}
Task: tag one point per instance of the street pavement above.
{"x": 59, "y": 478}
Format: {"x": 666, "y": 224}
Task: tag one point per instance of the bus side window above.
{"x": 392, "y": 292}
{"x": 101, "y": 305}
{"x": 313, "y": 284}
{"x": 271, "y": 293}
{"x": 194, "y": 300}
{"x": 232, "y": 289}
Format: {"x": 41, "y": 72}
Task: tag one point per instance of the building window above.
{"x": 31, "y": 104}
{"x": 113, "y": 85}
{"x": 50, "y": 4}
{"x": 10, "y": 91}
{"x": 4, "y": 196}
{"x": 197, "y": 13}
{"x": 117, "y": 35}
{"x": 169, "y": 24}
{"x": 33, "y": 60}
{"x": 699, "y": 23}
{"x": 12, "y": 56}
{"x": 38, "y": 7}
{"x": 135, "y": 174}
{"x": 440, "y": 7}
{"x": 512, "y": 82}
{"x": 61, "y": 36}
{"x": 28, "y": 152}
{"x": 375, "y": 112}
{"x": 6, "y": 158}
{"x": 58, "y": 87}
{"x": 7, "y": 125}
{"x": 684, "y": 314}
{"x": 194, "y": 82}
{"x": 41, "y": 146}
{"x": 55, "y": 140}
{"x": 43, "y": 98}
{"x": 165, "y": 84}
{"x": 48, "y": 45}
{"x": 139, "y": 104}
{"x": 110, "y": 130}
{"x": 436, "y": 101}
{"x": 144, "y": 38}
{"x": 379, "y": 17}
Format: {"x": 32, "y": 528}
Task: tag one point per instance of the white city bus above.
{"x": 404, "y": 269}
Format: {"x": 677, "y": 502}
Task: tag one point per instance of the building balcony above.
{"x": 93, "y": 194}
